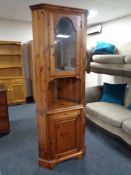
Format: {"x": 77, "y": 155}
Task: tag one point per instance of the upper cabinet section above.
{"x": 65, "y": 44}
{"x": 60, "y": 42}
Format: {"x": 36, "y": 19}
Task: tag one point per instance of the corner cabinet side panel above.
{"x": 41, "y": 57}
{"x": 83, "y": 56}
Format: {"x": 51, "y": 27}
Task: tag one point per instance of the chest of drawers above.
{"x": 4, "y": 119}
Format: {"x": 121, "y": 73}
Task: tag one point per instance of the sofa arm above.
{"x": 93, "y": 94}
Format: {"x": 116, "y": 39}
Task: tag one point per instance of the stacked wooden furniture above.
{"x": 11, "y": 71}
{"x": 4, "y": 119}
{"x": 59, "y": 41}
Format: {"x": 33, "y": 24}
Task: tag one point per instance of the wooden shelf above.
{"x": 11, "y": 70}
{"x": 9, "y": 54}
{"x": 11, "y": 77}
{"x": 63, "y": 105}
{"x": 10, "y": 66}
{"x": 10, "y": 42}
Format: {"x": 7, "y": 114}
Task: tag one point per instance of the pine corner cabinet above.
{"x": 11, "y": 71}
{"x": 59, "y": 42}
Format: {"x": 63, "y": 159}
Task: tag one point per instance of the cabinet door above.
{"x": 65, "y": 133}
{"x": 65, "y": 44}
{"x": 17, "y": 91}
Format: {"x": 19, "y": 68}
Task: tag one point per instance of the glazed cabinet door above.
{"x": 65, "y": 133}
{"x": 65, "y": 41}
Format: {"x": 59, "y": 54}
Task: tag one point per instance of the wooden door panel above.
{"x": 64, "y": 132}
{"x": 17, "y": 93}
{"x": 66, "y": 135}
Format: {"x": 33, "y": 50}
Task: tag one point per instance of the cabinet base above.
{"x": 49, "y": 164}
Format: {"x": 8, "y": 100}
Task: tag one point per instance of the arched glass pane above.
{"x": 65, "y": 45}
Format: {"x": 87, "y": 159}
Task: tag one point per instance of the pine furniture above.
{"x": 59, "y": 42}
{"x": 11, "y": 71}
{"x": 4, "y": 118}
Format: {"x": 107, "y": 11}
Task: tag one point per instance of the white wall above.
{"x": 13, "y": 30}
{"x": 116, "y": 32}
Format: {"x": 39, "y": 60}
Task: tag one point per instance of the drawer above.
{"x": 15, "y": 81}
{"x": 3, "y": 112}
{"x": 4, "y": 125}
{"x": 2, "y": 99}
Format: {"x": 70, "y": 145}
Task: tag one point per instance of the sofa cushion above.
{"x": 93, "y": 94}
{"x": 109, "y": 59}
{"x": 110, "y": 113}
{"x": 113, "y": 93}
{"x": 128, "y": 59}
{"x": 111, "y": 69}
{"x": 127, "y": 98}
{"x": 104, "y": 47}
{"x": 126, "y": 126}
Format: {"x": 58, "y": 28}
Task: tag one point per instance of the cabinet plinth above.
{"x": 59, "y": 42}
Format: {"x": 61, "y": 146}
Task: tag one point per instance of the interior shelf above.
{"x": 10, "y": 66}
{"x": 11, "y": 77}
{"x": 59, "y": 105}
{"x": 9, "y": 42}
{"x": 10, "y": 54}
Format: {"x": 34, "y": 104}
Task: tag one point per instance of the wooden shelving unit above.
{"x": 11, "y": 71}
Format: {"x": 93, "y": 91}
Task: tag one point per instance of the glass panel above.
{"x": 65, "y": 45}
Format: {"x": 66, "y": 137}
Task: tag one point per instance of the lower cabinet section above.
{"x": 15, "y": 90}
{"x": 65, "y": 137}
